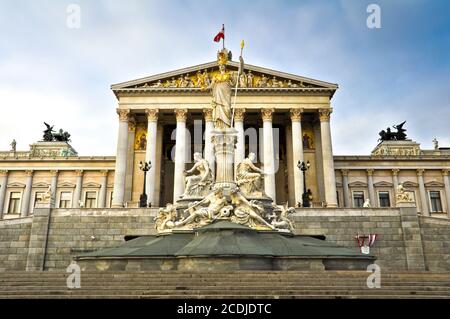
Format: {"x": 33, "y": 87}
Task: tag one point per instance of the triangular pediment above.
{"x": 41, "y": 185}
{"x": 383, "y": 184}
{"x": 357, "y": 184}
{"x": 91, "y": 185}
{"x": 434, "y": 184}
{"x": 410, "y": 184}
{"x": 66, "y": 185}
{"x": 193, "y": 78}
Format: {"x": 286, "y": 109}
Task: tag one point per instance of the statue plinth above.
{"x": 224, "y": 142}
{"x": 52, "y": 149}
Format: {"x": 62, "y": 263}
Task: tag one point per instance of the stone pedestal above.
{"x": 39, "y": 236}
{"x": 224, "y": 144}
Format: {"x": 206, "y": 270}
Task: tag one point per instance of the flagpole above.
{"x": 237, "y": 83}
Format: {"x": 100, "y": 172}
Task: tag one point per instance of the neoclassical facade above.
{"x": 283, "y": 118}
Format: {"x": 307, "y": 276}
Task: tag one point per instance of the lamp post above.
{"x": 145, "y": 167}
{"x": 305, "y": 196}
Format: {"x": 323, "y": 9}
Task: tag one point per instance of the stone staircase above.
{"x": 238, "y": 284}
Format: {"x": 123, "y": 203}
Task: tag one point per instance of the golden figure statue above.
{"x": 220, "y": 86}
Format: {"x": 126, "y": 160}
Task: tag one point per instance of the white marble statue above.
{"x": 206, "y": 210}
{"x": 367, "y": 203}
{"x": 280, "y": 218}
{"x": 249, "y": 177}
{"x": 248, "y": 213}
{"x": 166, "y": 218}
{"x": 198, "y": 184}
{"x": 46, "y": 197}
{"x": 401, "y": 195}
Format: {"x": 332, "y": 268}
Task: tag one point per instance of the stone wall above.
{"x": 75, "y": 231}
{"x": 342, "y": 225}
{"x": 405, "y": 240}
{"x": 14, "y": 239}
{"x": 436, "y": 243}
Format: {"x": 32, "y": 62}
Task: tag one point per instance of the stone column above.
{"x": 447, "y": 190}
{"x": 78, "y": 188}
{"x": 423, "y": 195}
{"x": 327, "y": 154}
{"x": 3, "y": 186}
{"x": 269, "y": 158}
{"x": 150, "y": 154}
{"x": 24, "y": 210}
{"x": 209, "y": 147}
{"x": 103, "y": 188}
{"x": 395, "y": 172}
{"x": 297, "y": 152}
{"x": 54, "y": 184}
{"x": 130, "y": 159}
{"x": 372, "y": 197}
{"x": 180, "y": 154}
{"x": 121, "y": 159}
{"x": 346, "y": 191}
{"x": 239, "y": 153}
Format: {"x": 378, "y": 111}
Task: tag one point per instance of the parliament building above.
{"x": 167, "y": 114}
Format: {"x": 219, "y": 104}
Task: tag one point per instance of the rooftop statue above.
{"x": 388, "y": 135}
{"x": 60, "y": 136}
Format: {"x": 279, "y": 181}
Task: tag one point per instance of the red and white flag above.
{"x": 220, "y": 35}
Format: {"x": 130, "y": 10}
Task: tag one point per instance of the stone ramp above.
{"x": 218, "y": 285}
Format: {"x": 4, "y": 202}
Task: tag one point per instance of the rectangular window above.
{"x": 435, "y": 198}
{"x": 358, "y": 199}
{"x": 65, "y": 200}
{"x": 90, "y": 200}
{"x": 384, "y": 199}
{"x": 14, "y": 203}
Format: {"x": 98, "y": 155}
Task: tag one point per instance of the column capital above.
{"x": 296, "y": 114}
{"x": 370, "y": 172}
{"x": 181, "y": 114}
{"x": 54, "y": 172}
{"x": 420, "y": 171}
{"x": 395, "y": 171}
{"x": 104, "y": 172}
{"x": 152, "y": 115}
{"x": 29, "y": 172}
{"x": 325, "y": 114}
{"x": 445, "y": 172}
{"x": 267, "y": 114}
{"x": 208, "y": 114}
{"x": 3, "y": 172}
{"x": 79, "y": 172}
{"x": 344, "y": 172}
{"x": 239, "y": 114}
{"x": 124, "y": 114}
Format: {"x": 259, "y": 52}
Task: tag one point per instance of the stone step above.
{"x": 191, "y": 285}
{"x": 197, "y": 294}
{"x": 252, "y": 296}
{"x": 84, "y": 288}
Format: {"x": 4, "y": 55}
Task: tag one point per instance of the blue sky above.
{"x": 51, "y": 73}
